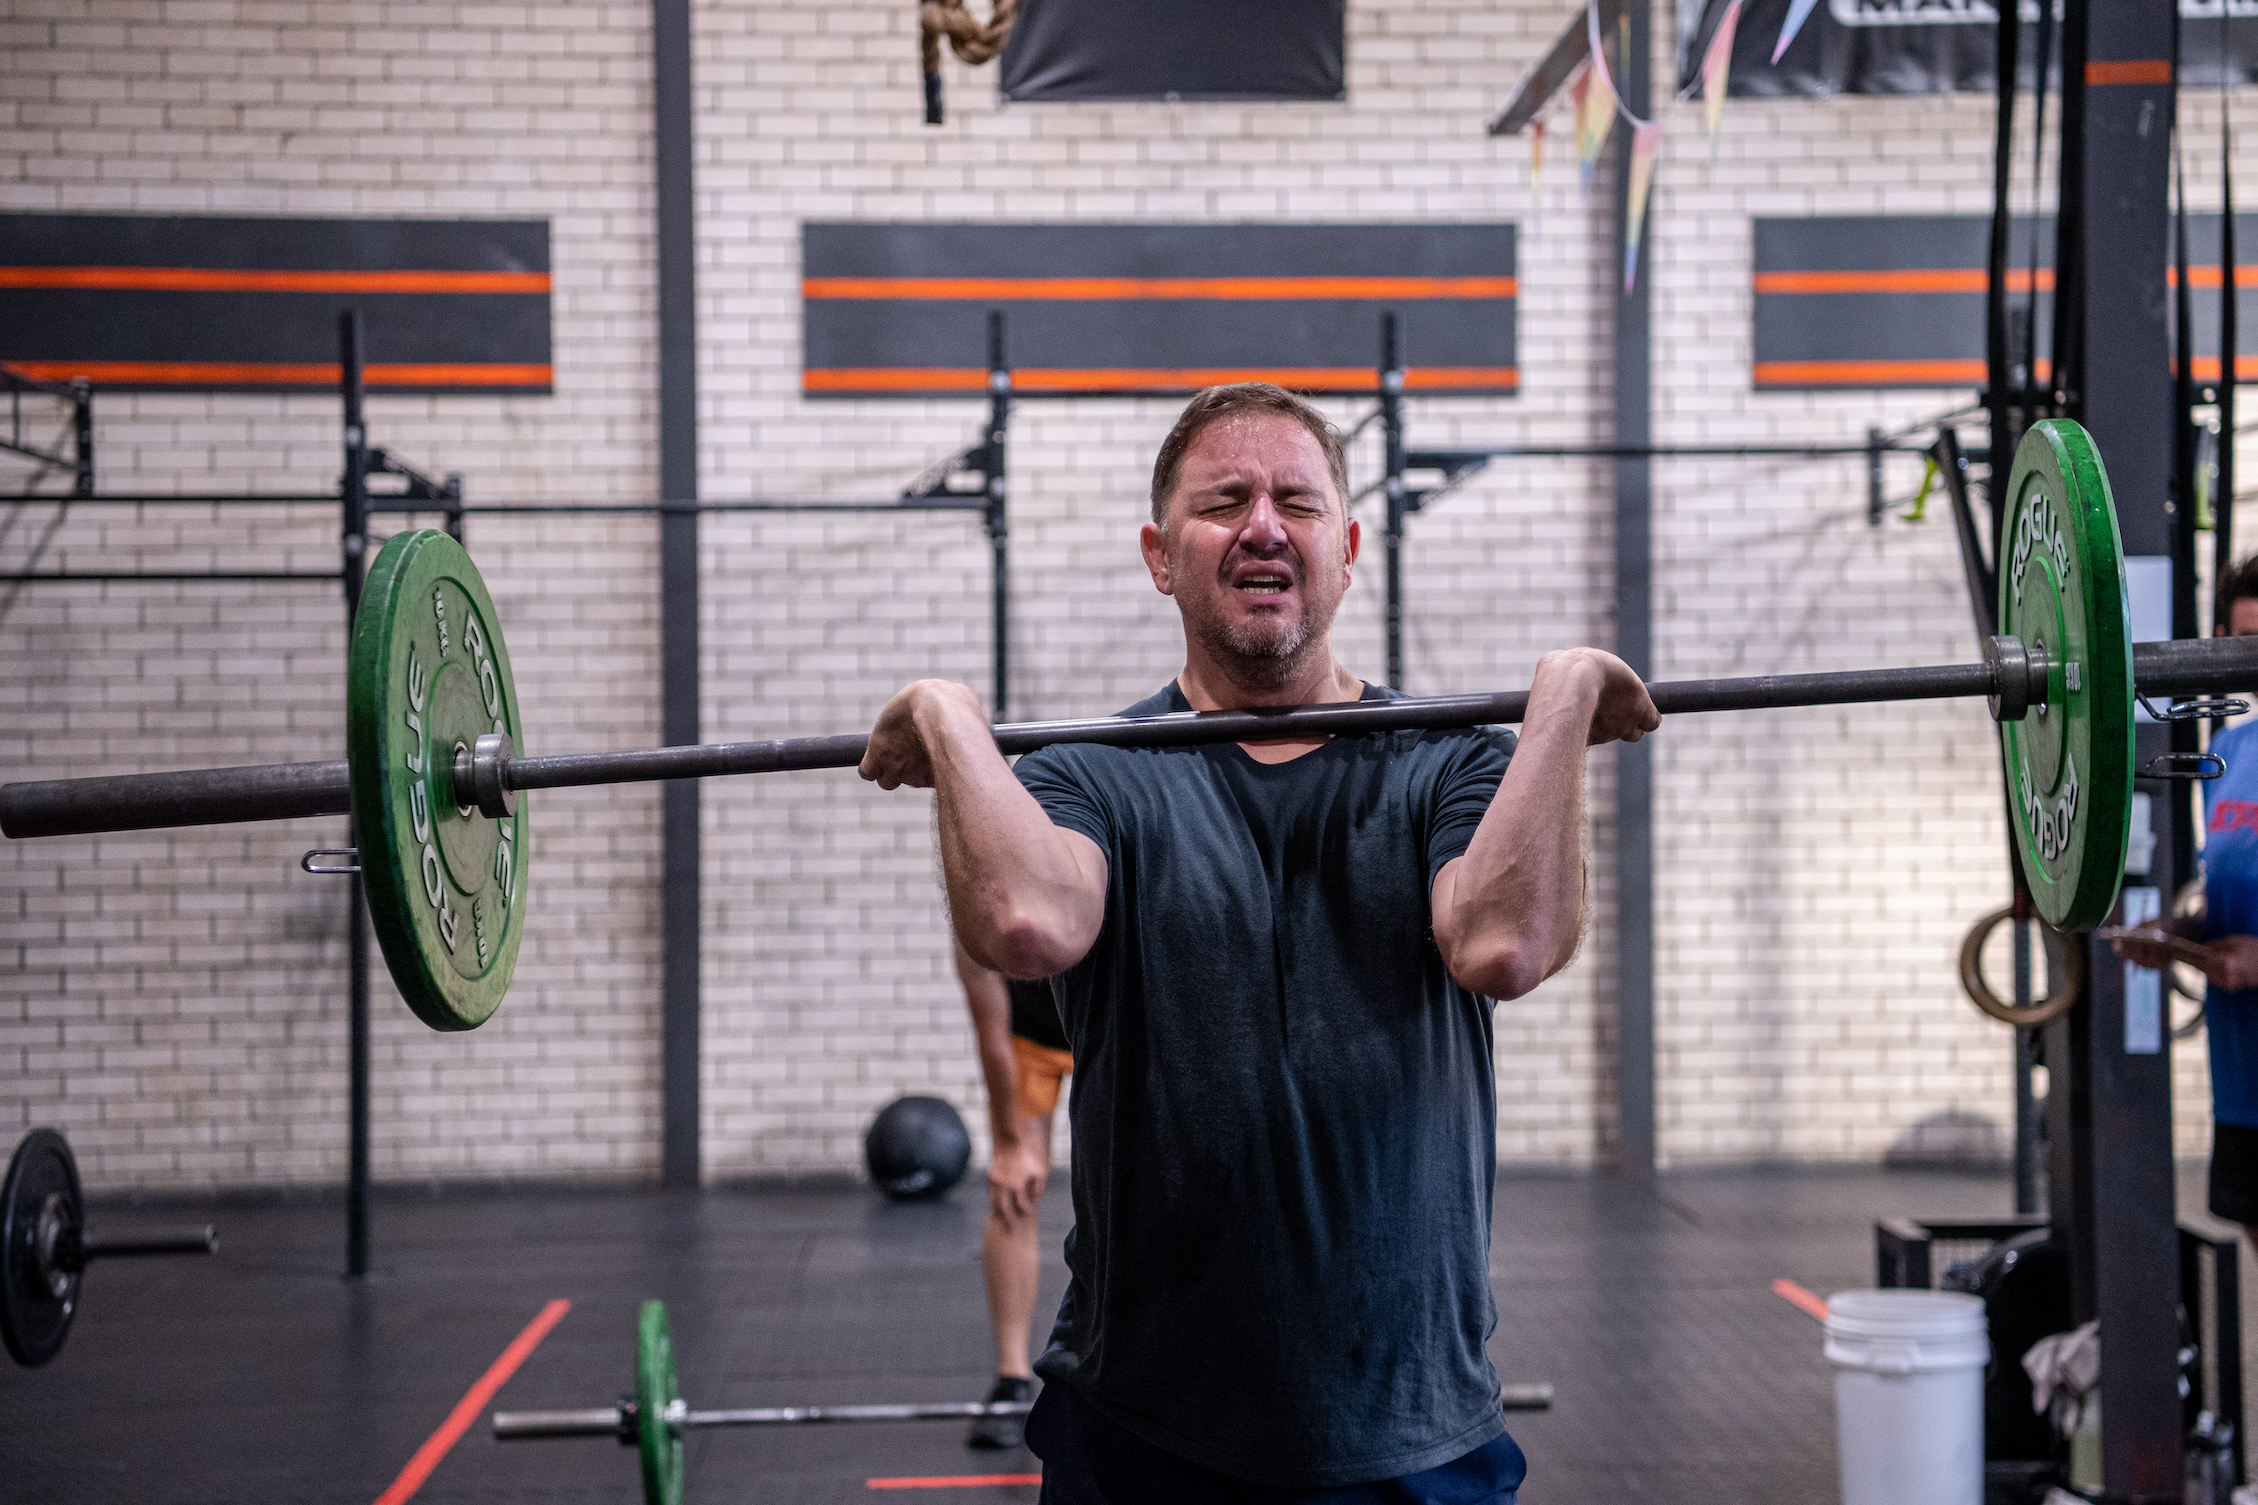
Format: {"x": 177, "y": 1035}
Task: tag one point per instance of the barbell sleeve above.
{"x": 525, "y": 1426}
{"x": 191, "y": 797}
{"x": 205, "y": 1240}
{"x": 216, "y": 796}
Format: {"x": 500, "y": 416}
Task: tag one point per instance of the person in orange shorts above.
{"x": 1024, "y": 1059}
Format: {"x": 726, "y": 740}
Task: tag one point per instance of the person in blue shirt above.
{"x": 1276, "y": 964}
{"x": 2228, "y": 931}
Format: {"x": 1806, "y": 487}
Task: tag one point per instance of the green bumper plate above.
{"x": 446, "y": 885}
{"x": 655, "y": 1391}
{"x": 2069, "y": 763}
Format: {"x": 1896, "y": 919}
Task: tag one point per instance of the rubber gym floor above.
{"x": 260, "y": 1374}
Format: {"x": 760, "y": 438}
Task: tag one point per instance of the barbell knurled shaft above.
{"x": 280, "y": 791}
{"x": 772, "y": 1416}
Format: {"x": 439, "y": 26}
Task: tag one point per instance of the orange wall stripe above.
{"x": 1038, "y": 379}
{"x": 215, "y": 280}
{"x": 2206, "y": 368}
{"x": 1126, "y": 288}
{"x": 2245, "y": 277}
{"x": 1933, "y": 280}
{"x": 895, "y": 379}
{"x": 1969, "y": 373}
{"x": 285, "y": 373}
{"x": 1966, "y": 280}
{"x": 2147, "y": 70}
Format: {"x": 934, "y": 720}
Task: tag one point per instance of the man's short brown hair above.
{"x": 2240, "y": 583}
{"x": 1213, "y": 405}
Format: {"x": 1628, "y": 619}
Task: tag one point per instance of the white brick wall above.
{"x": 174, "y": 1000}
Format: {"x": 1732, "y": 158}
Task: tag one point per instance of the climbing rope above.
{"x": 973, "y": 42}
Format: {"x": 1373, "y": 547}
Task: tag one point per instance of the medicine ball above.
{"x": 916, "y": 1149}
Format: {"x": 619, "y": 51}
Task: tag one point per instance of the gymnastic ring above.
{"x": 2070, "y": 976}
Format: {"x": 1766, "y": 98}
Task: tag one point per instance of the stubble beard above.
{"x": 1268, "y": 652}
{"x": 1262, "y": 655}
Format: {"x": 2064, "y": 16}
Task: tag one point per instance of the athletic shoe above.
{"x": 998, "y": 1432}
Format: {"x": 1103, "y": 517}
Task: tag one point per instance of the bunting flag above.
{"x": 1646, "y": 140}
{"x": 1536, "y": 175}
{"x": 1716, "y": 65}
{"x": 1798, "y": 13}
{"x": 1594, "y": 105}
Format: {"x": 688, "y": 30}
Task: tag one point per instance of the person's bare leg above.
{"x": 1011, "y": 1256}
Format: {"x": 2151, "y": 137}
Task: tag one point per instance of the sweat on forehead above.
{"x": 1249, "y": 399}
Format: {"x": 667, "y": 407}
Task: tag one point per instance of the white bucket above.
{"x": 1909, "y": 1396}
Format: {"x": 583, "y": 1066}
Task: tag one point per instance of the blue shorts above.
{"x": 1091, "y": 1460}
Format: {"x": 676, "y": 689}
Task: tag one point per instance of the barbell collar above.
{"x": 2019, "y": 671}
{"x": 282, "y": 791}
{"x": 482, "y": 768}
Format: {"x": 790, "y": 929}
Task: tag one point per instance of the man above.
{"x": 1274, "y": 962}
{"x": 2228, "y": 931}
{"x": 1023, "y": 1059}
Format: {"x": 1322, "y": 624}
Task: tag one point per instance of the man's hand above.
{"x": 2145, "y": 946}
{"x": 2231, "y": 961}
{"x": 1015, "y": 1181}
{"x": 1622, "y": 711}
{"x": 897, "y": 754}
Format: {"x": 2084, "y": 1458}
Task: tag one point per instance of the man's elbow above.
{"x": 1504, "y": 969}
{"x": 1028, "y": 946}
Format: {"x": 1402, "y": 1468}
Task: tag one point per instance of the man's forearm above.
{"x": 1516, "y": 899}
{"x": 1018, "y": 893}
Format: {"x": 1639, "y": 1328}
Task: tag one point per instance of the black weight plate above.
{"x": 39, "y": 1208}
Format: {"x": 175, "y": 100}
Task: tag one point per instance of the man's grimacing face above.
{"x": 1257, "y": 551}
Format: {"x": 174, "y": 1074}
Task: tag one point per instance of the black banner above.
{"x": 1869, "y": 301}
{"x": 221, "y": 303}
{"x": 901, "y": 309}
{"x": 1929, "y": 46}
{"x": 1176, "y": 49}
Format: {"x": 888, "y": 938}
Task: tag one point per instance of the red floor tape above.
{"x": 955, "y": 1481}
{"x": 474, "y": 1401}
{"x": 1796, "y": 1296}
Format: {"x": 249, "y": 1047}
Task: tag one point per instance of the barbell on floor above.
{"x": 654, "y": 1418}
{"x": 44, "y": 1250}
{"x": 432, "y": 775}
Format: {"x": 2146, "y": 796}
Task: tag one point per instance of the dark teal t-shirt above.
{"x": 1284, "y": 1109}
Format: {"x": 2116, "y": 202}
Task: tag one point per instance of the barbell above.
{"x": 432, "y": 775}
{"x": 654, "y": 1417}
{"x": 44, "y": 1250}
